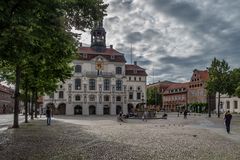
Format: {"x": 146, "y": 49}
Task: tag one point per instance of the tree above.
{"x": 32, "y": 28}
{"x": 219, "y": 77}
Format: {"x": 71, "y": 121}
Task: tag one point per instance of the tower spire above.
{"x": 98, "y": 37}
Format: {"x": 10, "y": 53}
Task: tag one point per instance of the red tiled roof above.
{"x": 108, "y": 53}
{"x": 201, "y": 75}
{"x": 132, "y": 69}
{"x": 176, "y": 86}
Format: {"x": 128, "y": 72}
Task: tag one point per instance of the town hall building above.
{"x": 102, "y": 82}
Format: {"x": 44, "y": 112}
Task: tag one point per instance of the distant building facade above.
{"x": 197, "y": 89}
{"x": 160, "y": 87}
{"x": 197, "y": 84}
{"x": 6, "y": 99}
{"x": 102, "y": 83}
{"x": 230, "y": 103}
{"x": 175, "y": 96}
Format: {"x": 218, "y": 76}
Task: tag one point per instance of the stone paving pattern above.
{"x": 100, "y": 138}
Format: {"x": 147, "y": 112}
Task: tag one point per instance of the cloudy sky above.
{"x": 170, "y": 38}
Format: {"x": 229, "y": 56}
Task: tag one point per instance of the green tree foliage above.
{"x": 153, "y": 96}
{"x": 37, "y": 31}
{"x": 219, "y": 78}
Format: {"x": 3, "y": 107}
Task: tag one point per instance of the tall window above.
{"x": 77, "y": 98}
{"x": 51, "y": 95}
{"x": 77, "y": 84}
{"x": 130, "y": 95}
{"x": 118, "y": 70}
{"x": 235, "y": 104}
{"x": 60, "y": 94}
{"x": 118, "y": 98}
{"x": 228, "y": 105}
{"x": 78, "y": 69}
{"x": 118, "y": 85}
{"x": 92, "y": 84}
{"x": 106, "y": 84}
{"x": 138, "y": 95}
{"x": 106, "y": 98}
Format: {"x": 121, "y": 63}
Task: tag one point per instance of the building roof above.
{"x": 201, "y": 75}
{"x": 6, "y": 89}
{"x": 108, "y": 53}
{"x": 176, "y": 86}
{"x": 204, "y": 75}
{"x": 132, "y": 69}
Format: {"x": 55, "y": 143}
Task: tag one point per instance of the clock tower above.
{"x": 98, "y": 37}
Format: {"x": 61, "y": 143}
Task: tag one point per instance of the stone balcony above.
{"x": 94, "y": 74}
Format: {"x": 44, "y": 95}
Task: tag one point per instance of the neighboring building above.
{"x": 175, "y": 96}
{"x": 160, "y": 87}
{"x": 197, "y": 84}
{"x": 6, "y": 99}
{"x": 102, "y": 83}
{"x": 197, "y": 89}
{"x": 228, "y": 103}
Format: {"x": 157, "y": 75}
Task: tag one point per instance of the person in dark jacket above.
{"x": 185, "y": 113}
{"x": 48, "y": 114}
{"x": 228, "y": 118}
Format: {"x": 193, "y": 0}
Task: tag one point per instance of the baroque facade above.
{"x": 102, "y": 82}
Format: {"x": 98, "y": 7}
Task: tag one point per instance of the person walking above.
{"x": 185, "y": 114}
{"x": 227, "y": 119}
{"x": 48, "y": 114}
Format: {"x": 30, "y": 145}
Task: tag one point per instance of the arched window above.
{"x": 77, "y": 98}
{"x": 78, "y": 69}
{"x": 77, "y": 84}
{"x": 118, "y": 70}
{"x": 118, "y": 85}
{"x": 92, "y": 84}
{"x": 106, "y": 84}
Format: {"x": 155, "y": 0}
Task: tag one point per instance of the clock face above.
{"x": 99, "y": 65}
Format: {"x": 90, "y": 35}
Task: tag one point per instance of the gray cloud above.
{"x": 173, "y": 37}
{"x": 134, "y": 37}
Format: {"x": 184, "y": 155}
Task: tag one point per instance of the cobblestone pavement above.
{"x": 100, "y": 138}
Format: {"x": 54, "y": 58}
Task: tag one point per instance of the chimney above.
{"x": 135, "y": 62}
{"x": 80, "y": 44}
{"x": 111, "y": 46}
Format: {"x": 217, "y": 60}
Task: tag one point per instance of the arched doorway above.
{"x": 139, "y": 107}
{"x": 77, "y": 110}
{"x": 61, "y": 109}
{"x": 106, "y": 110}
{"x": 130, "y": 108}
{"x": 92, "y": 110}
{"x": 118, "y": 109}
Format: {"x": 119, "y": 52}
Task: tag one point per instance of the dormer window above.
{"x": 112, "y": 57}
{"x": 84, "y": 55}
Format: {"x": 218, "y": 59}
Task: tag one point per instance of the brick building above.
{"x": 175, "y": 96}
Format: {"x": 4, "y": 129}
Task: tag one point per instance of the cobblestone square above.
{"x": 96, "y": 137}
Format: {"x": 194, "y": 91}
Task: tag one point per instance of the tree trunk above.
{"x": 16, "y": 97}
{"x": 218, "y": 108}
{"x": 36, "y": 103}
{"x": 26, "y": 102}
{"x": 32, "y": 103}
{"x": 209, "y": 105}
